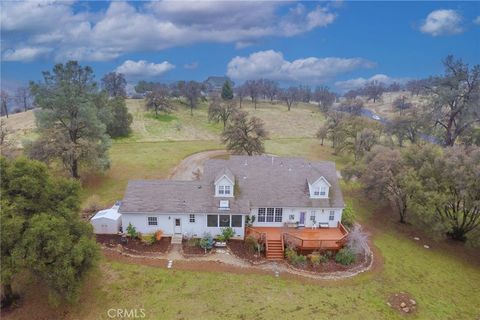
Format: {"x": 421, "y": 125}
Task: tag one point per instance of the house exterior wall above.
{"x": 165, "y": 223}
{"x": 321, "y": 216}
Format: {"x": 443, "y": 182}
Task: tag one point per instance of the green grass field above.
{"x": 443, "y": 279}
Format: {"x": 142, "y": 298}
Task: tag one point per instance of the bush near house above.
{"x": 316, "y": 258}
{"x": 228, "y": 233}
{"x": 294, "y": 258}
{"x": 345, "y": 256}
{"x": 252, "y": 245}
{"x": 132, "y": 231}
{"x": 206, "y": 242}
{"x": 348, "y": 216}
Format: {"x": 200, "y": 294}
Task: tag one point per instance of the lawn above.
{"x": 443, "y": 282}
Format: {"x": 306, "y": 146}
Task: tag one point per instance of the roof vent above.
{"x": 244, "y": 177}
{"x": 289, "y": 169}
{"x": 199, "y": 187}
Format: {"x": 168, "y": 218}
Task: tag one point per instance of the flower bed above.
{"x": 242, "y": 251}
{"x": 134, "y": 245}
{"x": 192, "y": 247}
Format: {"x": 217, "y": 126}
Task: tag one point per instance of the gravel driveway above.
{"x": 185, "y": 170}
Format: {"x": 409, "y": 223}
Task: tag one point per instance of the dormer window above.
{"x": 227, "y": 190}
{"x": 221, "y": 189}
{"x": 322, "y": 191}
{"x": 224, "y": 185}
{"x": 316, "y": 191}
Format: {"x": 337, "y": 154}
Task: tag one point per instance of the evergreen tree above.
{"x": 68, "y": 121}
{"x": 227, "y": 91}
{"x": 41, "y": 230}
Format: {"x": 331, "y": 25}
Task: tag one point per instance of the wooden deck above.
{"x": 305, "y": 238}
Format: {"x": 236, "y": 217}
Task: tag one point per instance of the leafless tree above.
{"x": 115, "y": 84}
{"x": 357, "y": 240}
{"x": 290, "y": 96}
{"x": 270, "y": 88}
{"x": 352, "y": 106}
{"x": 192, "y": 91}
{"x": 159, "y": 99}
{"x": 23, "y": 98}
{"x": 240, "y": 93}
{"x": 324, "y": 97}
{"x": 221, "y": 111}
{"x": 252, "y": 88}
{"x": 4, "y": 100}
{"x": 374, "y": 90}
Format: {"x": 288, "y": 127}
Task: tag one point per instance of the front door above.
{"x": 178, "y": 226}
{"x": 302, "y": 219}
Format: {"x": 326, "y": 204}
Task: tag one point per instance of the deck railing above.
{"x": 260, "y": 236}
{"x": 299, "y": 242}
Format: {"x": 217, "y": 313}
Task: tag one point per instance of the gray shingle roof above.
{"x": 260, "y": 181}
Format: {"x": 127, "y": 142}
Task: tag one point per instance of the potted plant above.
{"x": 220, "y": 241}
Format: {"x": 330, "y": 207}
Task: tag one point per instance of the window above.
{"x": 332, "y": 216}
{"x": 227, "y": 189}
{"x": 291, "y": 217}
{"x": 152, "y": 221}
{"x": 261, "y": 214}
{"x": 270, "y": 212}
{"x": 224, "y": 221}
{"x": 236, "y": 221}
{"x": 278, "y": 215}
{"x": 312, "y": 217}
{"x": 212, "y": 220}
{"x": 316, "y": 191}
{"x": 192, "y": 218}
{"x": 323, "y": 191}
{"x": 221, "y": 189}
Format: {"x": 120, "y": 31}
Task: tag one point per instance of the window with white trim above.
{"x": 236, "y": 221}
{"x": 212, "y": 220}
{"x": 261, "y": 214}
{"x": 332, "y": 216}
{"x": 312, "y": 217}
{"x": 316, "y": 191}
{"x": 278, "y": 214}
{"x": 192, "y": 218}
{"x": 152, "y": 221}
{"x": 224, "y": 220}
{"x": 221, "y": 189}
{"x": 323, "y": 191}
{"x": 227, "y": 190}
{"x": 270, "y": 214}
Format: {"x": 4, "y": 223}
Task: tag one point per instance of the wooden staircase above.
{"x": 274, "y": 249}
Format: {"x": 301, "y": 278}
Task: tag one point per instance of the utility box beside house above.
{"x": 108, "y": 221}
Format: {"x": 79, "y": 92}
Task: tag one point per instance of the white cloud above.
{"x": 477, "y": 20}
{"x": 272, "y": 65}
{"x": 442, "y": 23}
{"x": 144, "y": 69}
{"x": 191, "y": 66}
{"x": 24, "y": 54}
{"x": 358, "y": 83}
{"x": 153, "y": 26}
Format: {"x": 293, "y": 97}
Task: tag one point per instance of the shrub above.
{"x": 149, "y": 238}
{"x": 228, "y": 233}
{"x": 357, "y": 240}
{"x": 206, "y": 242}
{"x": 132, "y": 231}
{"x": 193, "y": 242}
{"x": 295, "y": 258}
{"x": 317, "y": 258}
{"x": 345, "y": 256}
{"x": 252, "y": 245}
{"x": 220, "y": 238}
{"x": 348, "y": 216}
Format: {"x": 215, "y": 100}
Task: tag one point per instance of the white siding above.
{"x": 195, "y": 229}
{"x": 321, "y": 216}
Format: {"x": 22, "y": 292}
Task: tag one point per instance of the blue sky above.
{"x": 341, "y": 44}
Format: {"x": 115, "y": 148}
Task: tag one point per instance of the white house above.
{"x": 277, "y": 192}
